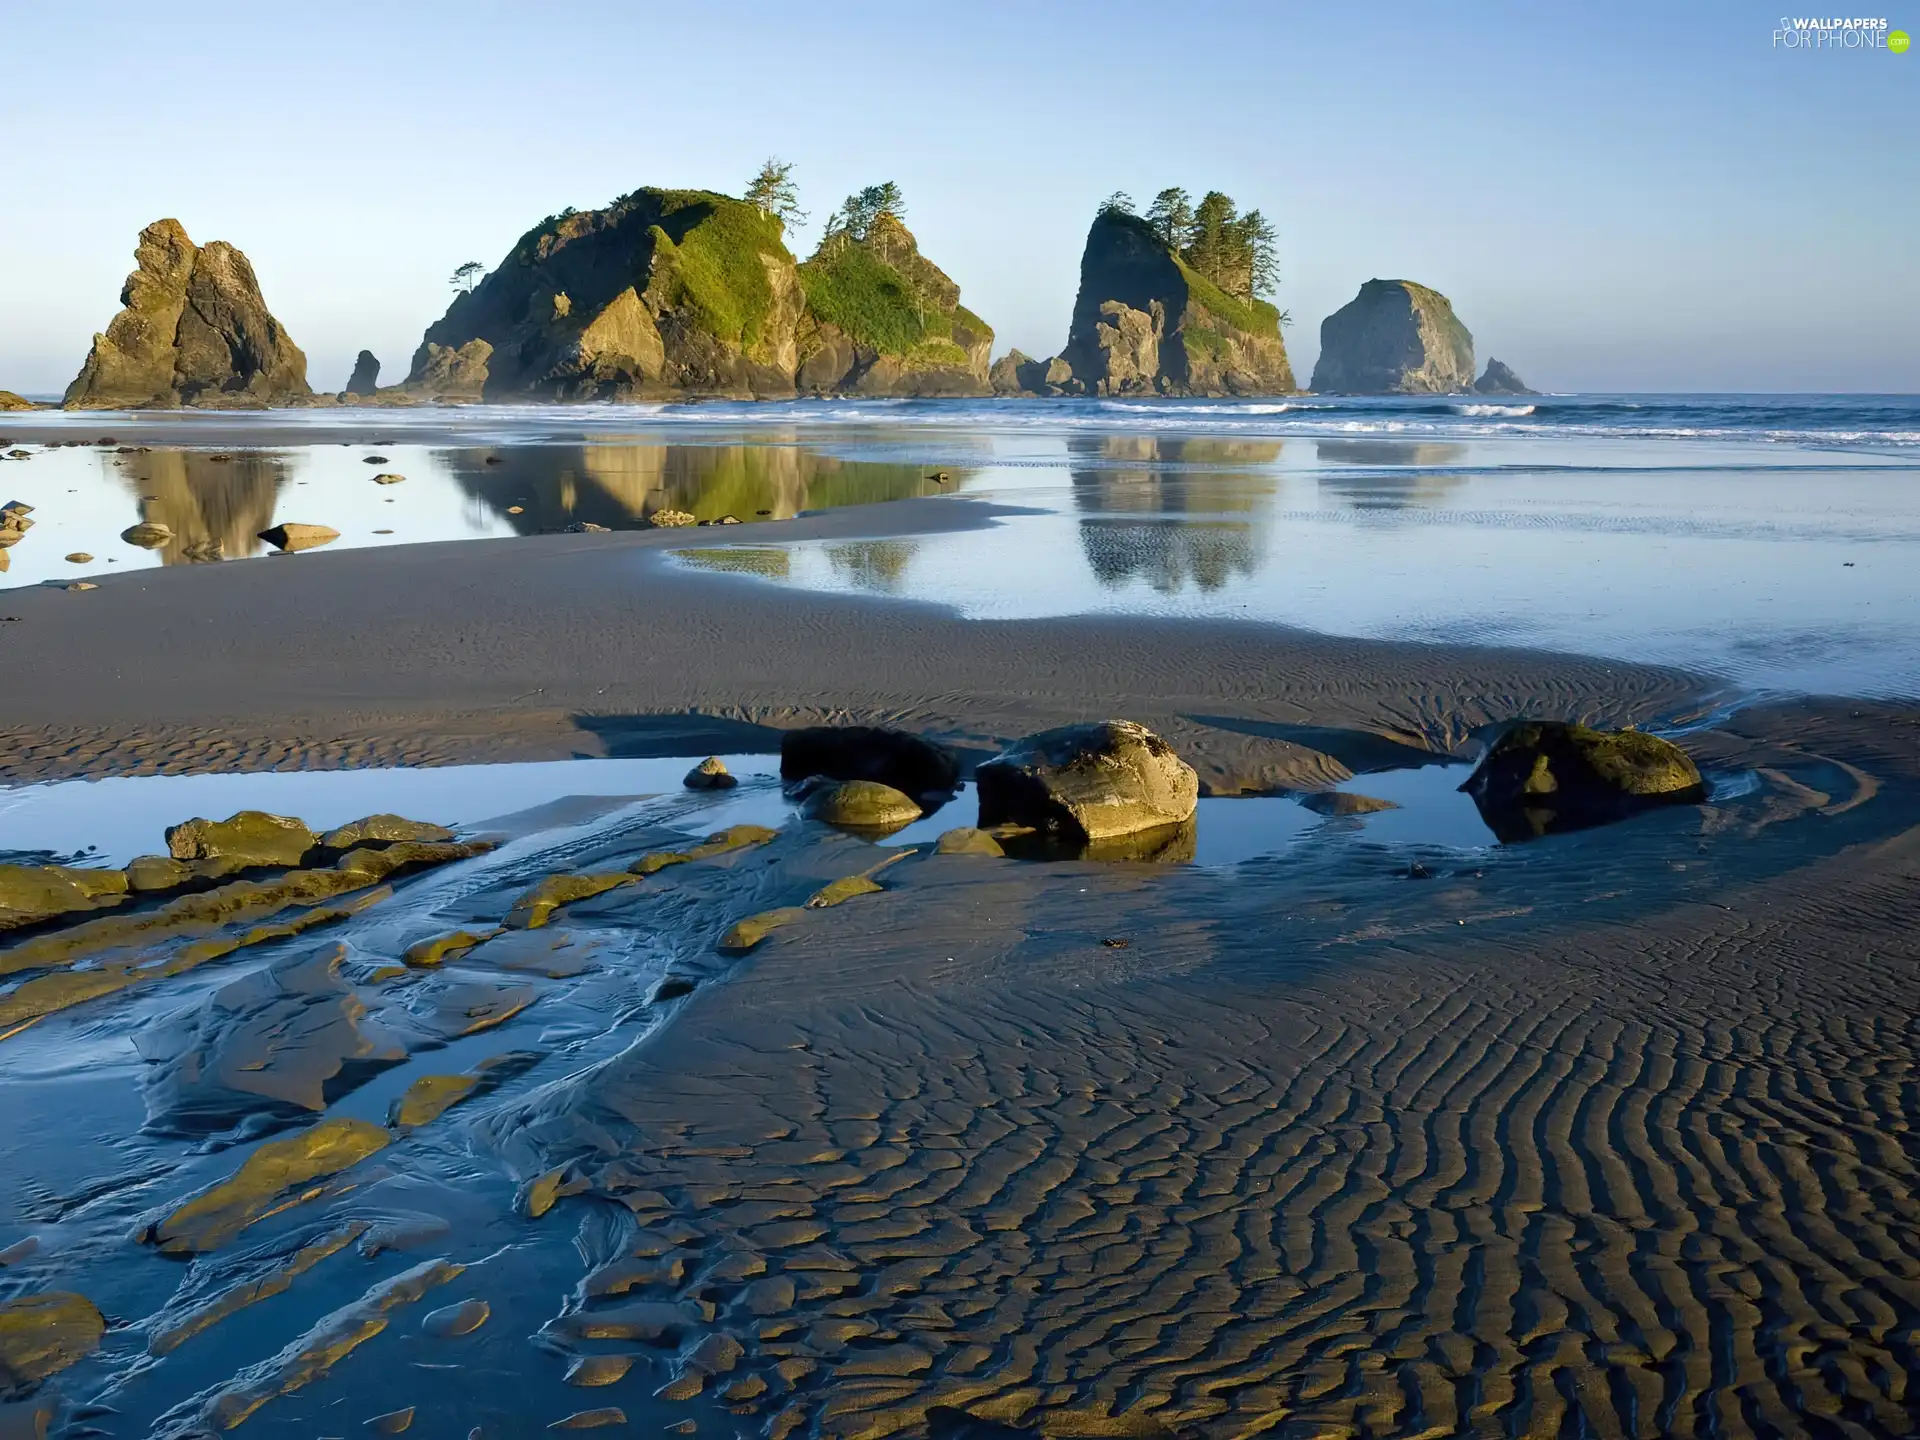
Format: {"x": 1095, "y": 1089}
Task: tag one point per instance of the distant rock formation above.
{"x": 1016, "y": 373}
{"x": 1499, "y": 379}
{"x": 194, "y": 331}
{"x": 882, "y": 319}
{"x": 11, "y": 401}
{"x": 366, "y": 375}
{"x": 663, "y": 292}
{"x": 1394, "y": 338}
{"x": 1146, "y": 323}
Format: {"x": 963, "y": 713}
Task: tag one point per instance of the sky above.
{"x": 1632, "y": 197}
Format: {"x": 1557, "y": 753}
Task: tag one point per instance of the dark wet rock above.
{"x": 1089, "y": 782}
{"x": 293, "y": 536}
{"x": 862, "y": 805}
{"x": 41, "y": 1335}
{"x": 194, "y": 330}
{"x": 967, "y": 841}
{"x": 148, "y": 535}
{"x": 383, "y": 829}
{"x": 251, "y": 837}
{"x": 30, "y": 894}
{"x": 1499, "y": 379}
{"x": 1543, "y": 776}
{"x": 1145, "y": 322}
{"x": 672, "y": 987}
{"x": 1340, "y": 802}
{"x": 587, "y": 527}
{"x": 710, "y": 774}
{"x": 909, "y": 763}
{"x": 1394, "y": 338}
{"x": 366, "y": 374}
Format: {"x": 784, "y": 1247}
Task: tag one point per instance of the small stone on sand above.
{"x": 387, "y": 477}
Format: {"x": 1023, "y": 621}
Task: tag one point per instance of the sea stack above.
{"x": 1394, "y": 338}
{"x": 366, "y": 375}
{"x": 194, "y": 330}
{"x": 663, "y": 292}
{"x": 1499, "y": 379}
{"x": 882, "y": 319}
{"x": 1146, "y": 322}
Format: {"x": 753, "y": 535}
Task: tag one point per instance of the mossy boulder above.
{"x": 383, "y": 829}
{"x": 882, "y": 319}
{"x": 1542, "y": 776}
{"x": 1145, "y": 322}
{"x": 912, "y": 764}
{"x": 1088, "y": 783}
{"x": 1394, "y": 338}
{"x": 251, "y": 837}
{"x": 862, "y": 805}
{"x": 41, "y": 1335}
{"x": 30, "y": 894}
{"x": 193, "y": 330}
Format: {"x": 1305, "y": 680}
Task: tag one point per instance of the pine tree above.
{"x": 1171, "y": 216}
{"x": 774, "y": 193}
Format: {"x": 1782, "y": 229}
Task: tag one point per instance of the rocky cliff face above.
{"x": 1146, "y": 323}
{"x": 882, "y": 319}
{"x": 194, "y": 330}
{"x": 1394, "y": 338}
{"x": 664, "y": 292}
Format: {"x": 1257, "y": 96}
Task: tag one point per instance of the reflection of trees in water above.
{"x": 769, "y": 562}
{"x": 1180, "y": 540}
{"x": 215, "y": 508}
{"x": 879, "y": 565}
{"x": 621, "y": 485}
{"x": 1390, "y": 491}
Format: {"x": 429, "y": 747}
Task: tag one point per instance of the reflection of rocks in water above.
{"x": 769, "y": 562}
{"x": 1390, "y": 492}
{"x": 1137, "y": 473}
{"x": 215, "y": 509}
{"x": 879, "y": 565}
{"x": 620, "y": 486}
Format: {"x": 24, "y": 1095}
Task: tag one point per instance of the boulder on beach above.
{"x": 1499, "y": 379}
{"x": 670, "y": 519}
{"x": 862, "y": 805}
{"x": 1542, "y": 776}
{"x": 710, "y": 774}
{"x": 251, "y": 837}
{"x": 1088, "y": 782}
{"x": 914, "y": 766}
{"x": 32, "y": 893}
{"x": 1394, "y": 338}
{"x": 11, "y": 401}
{"x": 366, "y": 375}
{"x": 193, "y": 330}
{"x": 147, "y": 535}
{"x": 384, "y": 829}
{"x": 293, "y": 536}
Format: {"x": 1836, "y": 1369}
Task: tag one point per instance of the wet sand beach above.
{"x": 1606, "y": 1133}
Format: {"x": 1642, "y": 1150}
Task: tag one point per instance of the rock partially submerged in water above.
{"x": 1394, "y": 338}
{"x": 41, "y": 1335}
{"x": 251, "y": 837}
{"x": 1540, "y": 776}
{"x": 1343, "y": 802}
{"x": 1499, "y": 379}
{"x": 1089, "y": 782}
{"x": 710, "y": 774}
{"x": 148, "y": 535}
{"x": 32, "y": 893}
{"x": 294, "y": 536}
{"x": 915, "y": 766}
{"x": 383, "y": 829}
{"x": 862, "y": 805}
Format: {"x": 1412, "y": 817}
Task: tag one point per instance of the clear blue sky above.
{"x": 1638, "y": 196}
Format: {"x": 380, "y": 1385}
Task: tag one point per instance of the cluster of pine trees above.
{"x": 1236, "y": 252}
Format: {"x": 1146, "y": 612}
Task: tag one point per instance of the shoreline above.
{"x": 547, "y": 647}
